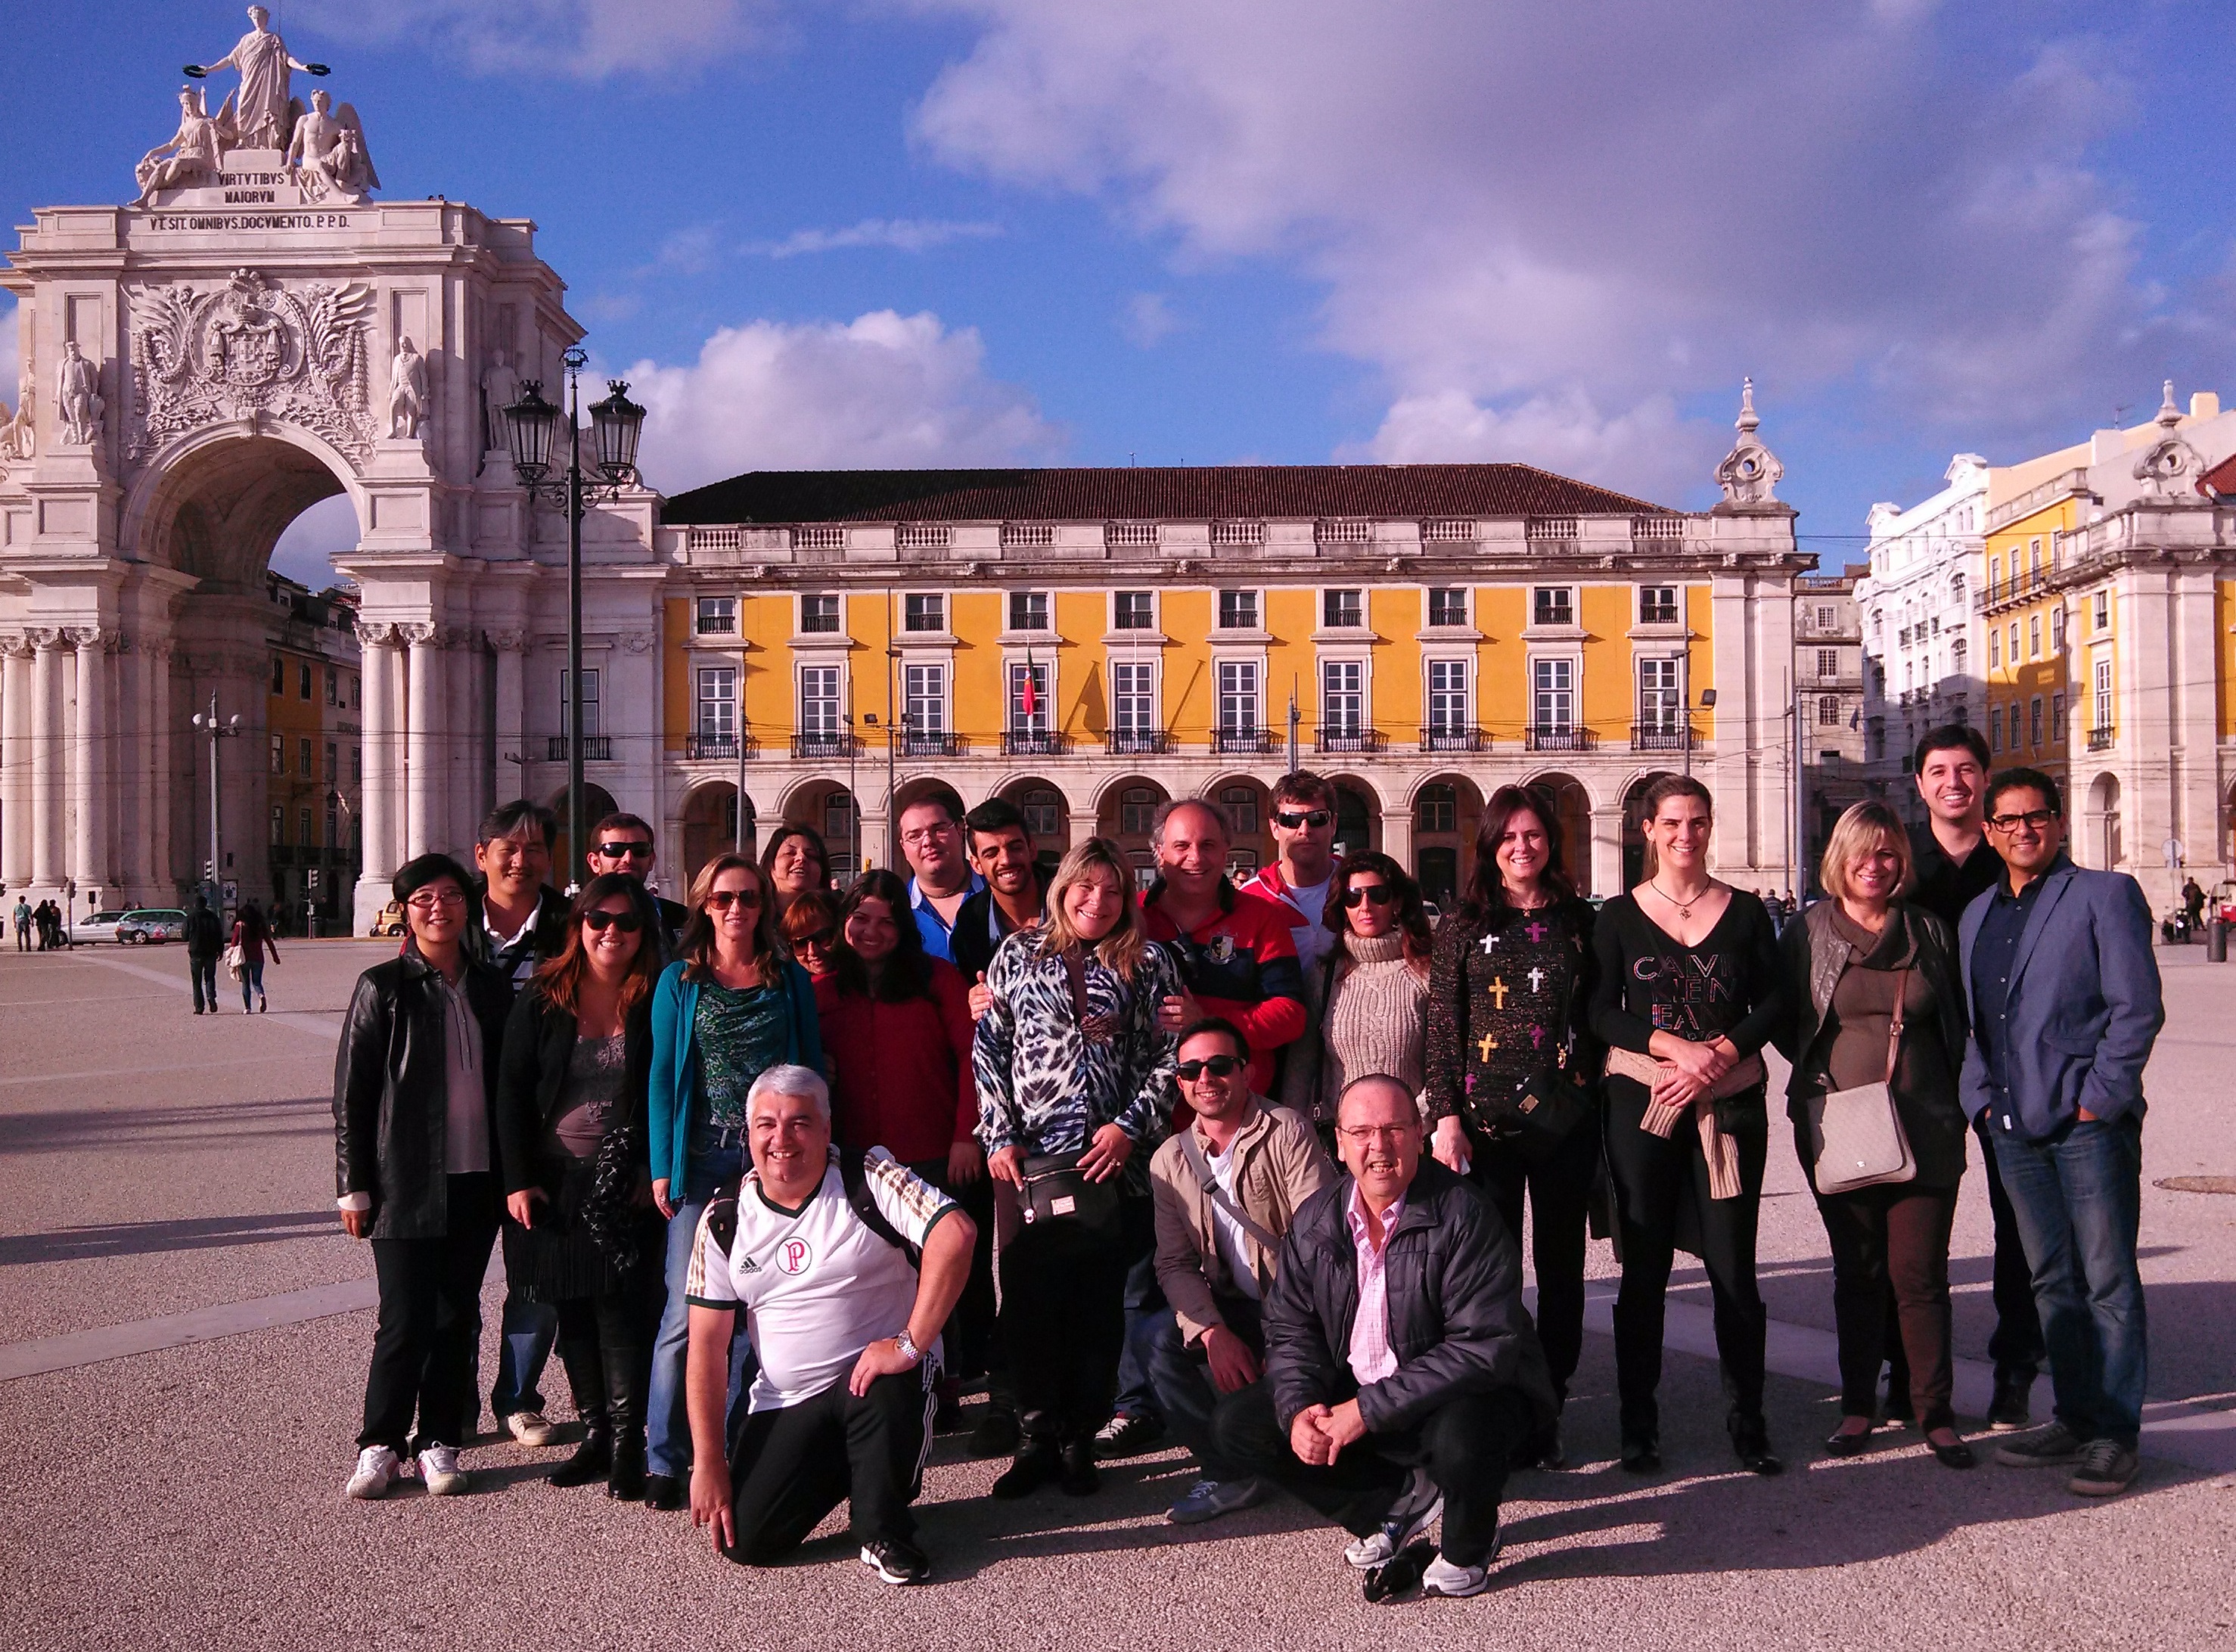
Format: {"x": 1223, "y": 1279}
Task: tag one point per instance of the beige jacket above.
{"x": 1282, "y": 1164}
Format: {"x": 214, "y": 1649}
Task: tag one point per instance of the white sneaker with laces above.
{"x": 1208, "y": 1499}
{"x": 1441, "y": 1577}
{"x": 439, "y": 1472}
{"x": 1411, "y": 1515}
{"x": 375, "y": 1472}
{"x": 530, "y": 1427}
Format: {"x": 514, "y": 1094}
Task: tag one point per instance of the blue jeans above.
{"x": 1145, "y": 1300}
{"x": 1181, "y": 1376}
{"x": 715, "y": 1157}
{"x": 2078, "y": 1198}
{"x": 523, "y": 1347}
{"x": 252, "y": 980}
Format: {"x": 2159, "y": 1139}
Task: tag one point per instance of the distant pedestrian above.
{"x": 253, "y": 935}
{"x": 2066, "y": 1006}
{"x": 205, "y": 938}
{"x": 23, "y": 925}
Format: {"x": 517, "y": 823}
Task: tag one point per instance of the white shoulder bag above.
{"x": 1857, "y": 1132}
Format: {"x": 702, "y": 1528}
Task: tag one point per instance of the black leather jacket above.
{"x": 391, "y": 1104}
{"x": 1457, "y": 1321}
{"x": 539, "y": 1041}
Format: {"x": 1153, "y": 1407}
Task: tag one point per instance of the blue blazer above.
{"x": 2084, "y": 1006}
{"x": 675, "y": 1072}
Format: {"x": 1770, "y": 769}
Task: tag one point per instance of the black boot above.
{"x": 1751, "y": 1439}
{"x": 997, "y": 1433}
{"x": 1079, "y": 1478}
{"x": 1038, "y": 1463}
{"x": 626, "y": 1479}
{"x": 592, "y": 1459}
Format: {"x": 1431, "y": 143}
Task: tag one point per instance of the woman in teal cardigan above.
{"x": 733, "y": 1005}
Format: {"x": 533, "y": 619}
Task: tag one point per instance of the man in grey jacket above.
{"x": 1402, "y": 1374}
{"x": 2065, "y": 1004}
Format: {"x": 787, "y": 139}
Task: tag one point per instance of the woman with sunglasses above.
{"x": 730, "y": 1006}
{"x": 1508, "y": 1003}
{"x": 1373, "y": 990}
{"x": 577, "y": 1061}
{"x": 1074, "y": 1074}
{"x": 796, "y": 863}
{"x": 810, "y": 928}
{"x": 897, "y": 1030}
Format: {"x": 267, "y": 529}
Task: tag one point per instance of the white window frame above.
{"x": 1009, "y": 625}
{"x": 698, "y": 625}
{"x": 1219, "y": 624}
{"x": 945, "y": 626}
{"x": 1429, "y": 620}
{"x": 1357, "y": 688}
{"x": 1153, "y": 694}
{"x": 1156, "y": 611}
{"x": 1576, "y": 607}
{"x": 1220, "y": 692}
{"x": 925, "y": 702}
{"x": 1327, "y": 595}
{"x": 1014, "y": 720}
{"x": 1574, "y": 688}
{"x": 1431, "y": 695}
{"x": 812, "y": 728}
{"x": 839, "y": 614}
{"x": 590, "y": 717}
{"x": 1659, "y": 694}
{"x": 723, "y": 723}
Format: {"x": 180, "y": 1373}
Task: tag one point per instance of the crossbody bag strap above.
{"x": 1218, "y": 1195}
{"x": 1894, "y": 1026}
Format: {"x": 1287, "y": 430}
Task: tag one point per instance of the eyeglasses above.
{"x": 1366, "y": 1133}
{"x": 601, "y": 920}
{"x": 926, "y": 834}
{"x": 428, "y": 900}
{"x": 2033, "y": 819}
{"x": 1217, "y": 1066}
{"x": 624, "y": 851}
{"x": 1313, "y": 821}
{"x": 722, "y": 899}
{"x": 1380, "y": 894}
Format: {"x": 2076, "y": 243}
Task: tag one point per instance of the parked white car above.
{"x": 152, "y": 924}
{"x": 101, "y": 926}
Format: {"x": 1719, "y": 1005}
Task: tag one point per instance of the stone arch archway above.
{"x": 1633, "y": 828}
{"x": 1247, "y": 804}
{"x": 830, "y": 809}
{"x": 212, "y": 506}
{"x": 1447, "y": 813}
{"x": 1358, "y": 814}
{"x": 2106, "y": 848}
{"x": 710, "y": 825}
{"x": 1121, "y": 815}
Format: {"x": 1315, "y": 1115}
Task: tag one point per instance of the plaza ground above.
{"x": 186, "y": 1329}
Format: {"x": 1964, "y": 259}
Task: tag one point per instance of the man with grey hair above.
{"x": 846, "y": 1265}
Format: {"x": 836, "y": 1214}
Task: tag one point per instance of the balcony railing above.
{"x": 1657, "y": 737}
{"x": 2100, "y": 739}
{"x": 1558, "y": 737}
{"x": 1346, "y": 737}
{"x": 1033, "y": 742}
{"x": 1451, "y": 738}
{"x": 596, "y": 748}
{"x": 831, "y": 744}
{"x": 923, "y": 743}
{"x": 1249, "y": 741}
{"x": 1138, "y": 742}
{"x": 719, "y": 748}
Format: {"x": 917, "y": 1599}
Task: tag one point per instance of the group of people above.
{"x": 782, "y": 1171}
{"x": 41, "y": 928}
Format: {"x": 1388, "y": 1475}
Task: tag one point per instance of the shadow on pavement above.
{"x": 123, "y": 1128}
{"x": 148, "y": 1238}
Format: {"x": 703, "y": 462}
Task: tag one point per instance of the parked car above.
{"x": 391, "y": 921}
{"x": 155, "y": 924}
{"x": 101, "y": 926}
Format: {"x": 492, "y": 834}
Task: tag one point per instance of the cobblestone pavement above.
{"x": 185, "y": 1336}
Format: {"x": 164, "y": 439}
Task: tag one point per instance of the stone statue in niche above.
{"x": 77, "y": 397}
{"x": 327, "y": 155}
{"x": 262, "y": 113}
{"x": 407, "y": 392}
{"x": 500, "y": 389}
{"x": 190, "y": 158}
{"x": 16, "y": 438}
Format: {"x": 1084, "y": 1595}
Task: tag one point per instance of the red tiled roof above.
{"x": 1189, "y": 493}
{"x": 2220, "y": 480}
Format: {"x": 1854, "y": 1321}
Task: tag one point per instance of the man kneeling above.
{"x": 816, "y": 1246}
{"x": 1402, "y": 1374}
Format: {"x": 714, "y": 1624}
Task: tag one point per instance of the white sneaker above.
{"x": 375, "y": 1472}
{"x": 439, "y": 1472}
{"x": 530, "y": 1427}
{"x": 1411, "y": 1515}
{"x": 1454, "y": 1583}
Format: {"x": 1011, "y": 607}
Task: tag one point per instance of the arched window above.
{"x": 1436, "y": 809}
{"x": 1137, "y": 804}
{"x": 1044, "y": 812}
{"x": 1240, "y": 803}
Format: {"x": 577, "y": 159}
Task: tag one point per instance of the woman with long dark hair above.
{"x": 795, "y": 863}
{"x": 731, "y": 1005}
{"x": 1074, "y": 1084}
{"x": 1512, "y": 1068}
{"x": 1373, "y": 990}
{"x": 1689, "y": 989}
{"x": 570, "y": 1111}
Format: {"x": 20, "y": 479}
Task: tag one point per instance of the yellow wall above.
{"x": 678, "y": 685}
{"x": 2016, "y": 680}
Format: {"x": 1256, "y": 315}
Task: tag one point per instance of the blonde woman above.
{"x": 1846, "y": 961}
{"x": 1075, "y": 1082}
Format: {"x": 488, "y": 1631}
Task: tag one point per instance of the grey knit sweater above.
{"x": 1375, "y": 1021}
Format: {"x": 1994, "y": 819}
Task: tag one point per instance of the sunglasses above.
{"x": 722, "y": 899}
{"x": 1217, "y": 1066}
{"x": 1380, "y": 894}
{"x": 821, "y": 938}
{"x": 621, "y": 851}
{"x": 600, "y": 921}
{"x": 1315, "y": 821}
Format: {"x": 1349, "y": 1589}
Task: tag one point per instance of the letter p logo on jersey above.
{"x": 794, "y": 1257}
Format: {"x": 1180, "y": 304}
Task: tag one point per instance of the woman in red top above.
{"x": 896, "y": 1032}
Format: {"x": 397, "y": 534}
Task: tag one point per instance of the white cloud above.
{"x": 307, "y": 548}
{"x": 1147, "y": 318}
{"x": 1517, "y": 232}
{"x": 902, "y": 234}
{"x": 1648, "y": 450}
{"x": 883, "y": 390}
{"x": 587, "y": 39}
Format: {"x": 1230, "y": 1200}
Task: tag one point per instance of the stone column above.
{"x": 462, "y": 744}
{"x": 511, "y": 711}
{"x": 163, "y": 869}
{"x": 1398, "y": 838}
{"x": 376, "y": 791}
{"x": 424, "y": 769}
{"x": 16, "y": 694}
{"x": 49, "y": 851}
{"x": 90, "y": 767}
{"x": 1604, "y": 853}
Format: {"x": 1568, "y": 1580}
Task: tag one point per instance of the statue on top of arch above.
{"x": 263, "y": 115}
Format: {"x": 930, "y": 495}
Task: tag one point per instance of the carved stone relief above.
{"x": 1750, "y": 472}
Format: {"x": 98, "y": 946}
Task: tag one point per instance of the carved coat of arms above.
{"x": 252, "y": 348}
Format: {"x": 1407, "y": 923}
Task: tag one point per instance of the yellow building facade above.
{"x": 313, "y": 759}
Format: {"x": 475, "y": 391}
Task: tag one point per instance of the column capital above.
{"x": 15, "y": 645}
{"x": 372, "y": 635}
{"x": 638, "y": 641}
{"x": 508, "y": 642}
{"x": 420, "y": 636}
{"x": 91, "y": 636}
{"x": 457, "y": 637}
{"x": 45, "y": 638}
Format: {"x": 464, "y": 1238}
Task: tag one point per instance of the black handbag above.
{"x": 1548, "y": 1108}
{"x": 1057, "y": 1190}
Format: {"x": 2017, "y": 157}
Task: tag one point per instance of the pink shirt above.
{"x": 1372, "y": 1358}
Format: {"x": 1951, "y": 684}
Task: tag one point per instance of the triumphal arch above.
{"x": 258, "y": 329}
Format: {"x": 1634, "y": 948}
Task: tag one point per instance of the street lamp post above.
{"x": 616, "y": 423}
{"x": 229, "y": 729}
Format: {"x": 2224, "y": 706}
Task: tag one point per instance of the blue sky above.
{"x": 971, "y": 231}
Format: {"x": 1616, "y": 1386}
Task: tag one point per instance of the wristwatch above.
{"x": 909, "y": 1351}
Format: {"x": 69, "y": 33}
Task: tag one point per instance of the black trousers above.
{"x": 605, "y": 1342}
{"x": 1650, "y": 1174}
{"x": 1559, "y": 1192}
{"x": 971, "y": 1333}
{"x": 431, "y": 1325}
{"x": 1063, "y": 1326}
{"x": 791, "y": 1467}
{"x": 1468, "y": 1446}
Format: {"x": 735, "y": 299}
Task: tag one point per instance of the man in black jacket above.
{"x": 1402, "y": 1374}
{"x": 624, "y": 843}
{"x": 205, "y": 938}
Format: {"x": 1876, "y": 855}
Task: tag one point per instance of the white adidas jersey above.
{"x": 817, "y": 1284}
